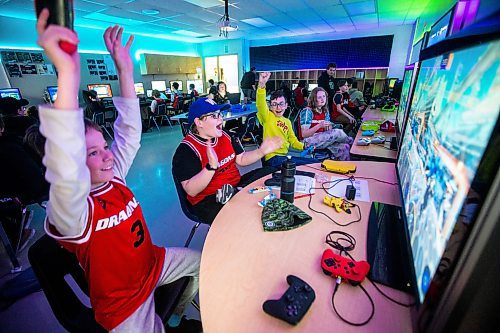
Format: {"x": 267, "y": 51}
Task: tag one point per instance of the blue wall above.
{"x": 346, "y": 53}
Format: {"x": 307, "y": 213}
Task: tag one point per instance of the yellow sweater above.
{"x": 276, "y": 126}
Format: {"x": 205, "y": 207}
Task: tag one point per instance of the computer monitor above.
{"x": 52, "y": 91}
{"x": 392, "y": 82}
{"x": 158, "y": 85}
{"x": 405, "y": 99}
{"x": 179, "y": 82}
{"x": 198, "y": 85}
{"x": 311, "y": 86}
{"x": 234, "y": 98}
{"x": 417, "y": 47}
{"x": 149, "y": 93}
{"x": 10, "y": 92}
{"x": 139, "y": 88}
{"x": 441, "y": 29}
{"x": 103, "y": 90}
{"x": 451, "y": 129}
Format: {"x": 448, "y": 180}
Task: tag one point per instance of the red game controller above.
{"x": 350, "y": 270}
{"x": 68, "y": 47}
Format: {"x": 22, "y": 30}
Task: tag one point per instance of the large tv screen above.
{"x": 451, "y": 118}
{"x": 103, "y": 90}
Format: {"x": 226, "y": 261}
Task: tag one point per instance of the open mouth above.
{"x": 107, "y": 168}
{"x": 219, "y": 127}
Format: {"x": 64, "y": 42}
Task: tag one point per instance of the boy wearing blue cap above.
{"x": 206, "y": 160}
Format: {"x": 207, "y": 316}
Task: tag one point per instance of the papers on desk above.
{"x": 361, "y": 185}
{"x": 303, "y": 184}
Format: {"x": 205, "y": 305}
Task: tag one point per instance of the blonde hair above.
{"x": 312, "y": 100}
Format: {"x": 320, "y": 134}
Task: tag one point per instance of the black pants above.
{"x": 208, "y": 208}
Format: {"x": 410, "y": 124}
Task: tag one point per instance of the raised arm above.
{"x": 262, "y": 108}
{"x": 128, "y": 123}
{"x": 62, "y": 126}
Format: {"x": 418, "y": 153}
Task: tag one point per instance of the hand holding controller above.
{"x": 294, "y": 303}
{"x": 60, "y": 13}
{"x": 350, "y": 270}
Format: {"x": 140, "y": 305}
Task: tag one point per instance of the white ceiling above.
{"x": 257, "y": 19}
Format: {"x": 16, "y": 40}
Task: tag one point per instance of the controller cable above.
{"x": 351, "y": 243}
{"x": 327, "y": 186}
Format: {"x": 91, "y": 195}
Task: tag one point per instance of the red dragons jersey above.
{"x": 226, "y": 173}
{"x": 121, "y": 264}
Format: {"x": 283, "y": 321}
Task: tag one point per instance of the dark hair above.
{"x": 302, "y": 83}
{"x": 213, "y": 90}
{"x": 2, "y": 125}
{"x": 33, "y": 112}
{"x": 330, "y": 65}
{"x": 89, "y": 124}
{"x": 156, "y": 93}
{"x": 221, "y": 82}
{"x": 277, "y": 94}
{"x": 252, "y": 69}
{"x": 349, "y": 81}
{"x": 175, "y": 85}
{"x": 191, "y": 86}
{"x": 341, "y": 82}
{"x": 355, "y": 84}
{"x": 35, "y": 140}
{"x": 211, "y": 82}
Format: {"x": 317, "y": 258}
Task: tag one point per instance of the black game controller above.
{"x": 294, "y": 303}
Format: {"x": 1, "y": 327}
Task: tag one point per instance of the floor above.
{"x": 150, "y": 179}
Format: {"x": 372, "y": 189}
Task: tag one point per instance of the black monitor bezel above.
{"x": 454, "y": 43}
{"x": 448, "y": 32}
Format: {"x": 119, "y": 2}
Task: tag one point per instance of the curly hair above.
{"x": 312, "y": 101}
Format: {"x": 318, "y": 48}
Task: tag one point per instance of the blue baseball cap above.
{"x": 204, "y": 106}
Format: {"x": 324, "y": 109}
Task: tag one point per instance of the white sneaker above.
{"x": 224, "y": 194}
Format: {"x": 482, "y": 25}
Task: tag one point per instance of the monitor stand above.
{"x": 387, "y": 248}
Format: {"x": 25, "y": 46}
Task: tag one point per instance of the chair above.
{"x": 162, "y": 112}
{"x": 186, "y": 210}
{"x": 184, "y": 126}
{"x": 175, "y": 106}
{"x": 14, "y": 216}
{"x": 51, "y": 263}
{"x": 250, "y": 127}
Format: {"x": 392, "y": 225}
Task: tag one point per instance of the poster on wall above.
{"x": 45, "y": 69}
{"x": 110, "y": 65}
{"x": 23, "y": 57}
{"x": 36, "y": 57}
{"x": 13, "y": 70}
{"x": 8, "y": 56}
{"x": 28, "y": 69}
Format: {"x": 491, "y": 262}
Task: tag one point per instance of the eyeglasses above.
{"x": 214, "y": 115}
{"x": 281, "y": 105}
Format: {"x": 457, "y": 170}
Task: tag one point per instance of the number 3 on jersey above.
{"x": 140, "y": 232}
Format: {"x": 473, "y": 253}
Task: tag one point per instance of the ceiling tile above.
{"x": 258, "y": 22}
{"x": 288, "y": 5}
{"x": 319, "y": 4}
{"x": 360, "y": 8}
{"x": 332, "y": 12}
{"x": 365, "y": 19}
{"x": 304, "y": 17}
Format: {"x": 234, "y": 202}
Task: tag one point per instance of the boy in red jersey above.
{"x": 91, "y": 211}
{"x": 206, "y": 159}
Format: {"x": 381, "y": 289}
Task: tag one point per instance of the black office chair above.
{"x": 250, "y": 130}
{"x": 162, "y": 113}
{"x": 51, "y": 263}
{"x": 185, "y": 206}
{"x": 13, "y": 219}
{"x": 184, "y": 126}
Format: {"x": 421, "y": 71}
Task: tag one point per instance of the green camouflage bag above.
{"x": 281, "y": 215}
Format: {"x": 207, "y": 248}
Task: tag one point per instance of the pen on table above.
{"x": 302, "y": 196}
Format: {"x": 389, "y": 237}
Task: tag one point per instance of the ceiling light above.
{"x": 224, "y": 23}
{"x": 150, "y": 11}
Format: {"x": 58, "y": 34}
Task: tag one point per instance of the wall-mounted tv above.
{"x": 10, "y": 92}
{"x": 441, "y": 29}
{"x": 103, "y": 90}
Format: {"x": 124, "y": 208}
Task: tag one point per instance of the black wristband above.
{"x": 209, "y": 167}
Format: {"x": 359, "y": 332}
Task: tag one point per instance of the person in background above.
{"x": 205, "y": 161}
{"x": 211, "y": 84}
{"x": 175, "y": 90}
{"x": 91, "y": 211}
{"x": 156, "y": 101}
{"x": 32, "y": 112}
{"x": 327, "y": 81}
{"x": 275, "y": 124}
{"x": 317, "y": 131}
{"x": 301, "y": 93}
{"x": 247, "y": 85}
{"x": 14, "y": 116}
{"x": 287, "y": 92}
{"x": 221, "y": 95}
{"x": 357, "y": 98}
{"x": 339, "y": 112}
{"x": 192, "y": 91}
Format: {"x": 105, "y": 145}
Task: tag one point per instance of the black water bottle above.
{"x": 287, "y": 179}
{"x": 60, "y": 13}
